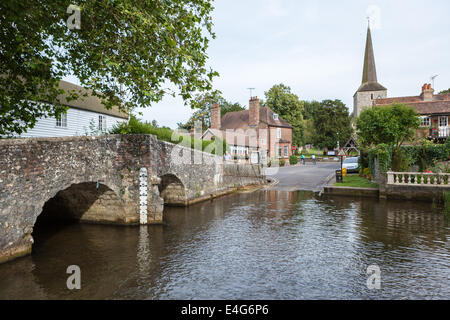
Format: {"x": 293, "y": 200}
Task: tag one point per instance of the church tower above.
{"x": 370, "y": 89}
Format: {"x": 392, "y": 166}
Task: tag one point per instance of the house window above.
{"x": 61, "y": 121}
{"x": 443, "y": 121}
{"x": 279, "y": 151}
{"x": 275, "y": 116}
{"x": 101, "y": 123}
{"x": 425, "y": 122}
{"x": 285, "y": 151}
{"x": 263, "y": 142}
{"x": 371, "y": 96}
{"x": 279, "y": 133}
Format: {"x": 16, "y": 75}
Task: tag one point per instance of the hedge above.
{"x": 424, "y": 156}
{"x": 136, "y": 126}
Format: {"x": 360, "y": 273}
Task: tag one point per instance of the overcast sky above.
{"x": 317, "y": 48}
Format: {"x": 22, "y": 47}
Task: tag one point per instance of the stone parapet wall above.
{"x": 98, "y": 179}
{"x": 411, "y": 192}
{"x": 237, "y": 175}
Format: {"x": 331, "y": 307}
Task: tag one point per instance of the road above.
{"x": 302, "y": 177}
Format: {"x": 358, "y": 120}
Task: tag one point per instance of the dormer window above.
{"x": 275, "y": 116}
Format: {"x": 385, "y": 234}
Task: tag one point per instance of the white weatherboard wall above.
{"x": 78, "y": 124}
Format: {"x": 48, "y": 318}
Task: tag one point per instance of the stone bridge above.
{"x": 114, "y": 179}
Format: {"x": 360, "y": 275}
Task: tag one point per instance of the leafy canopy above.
{"x": 331, "y": 123}
{"x": 391, "y": 125}
{"x": 126, "y": 51}
{"x": 137, "y": 126}
{"x": 204, "y": 103}
{"x": 288, "y": 106}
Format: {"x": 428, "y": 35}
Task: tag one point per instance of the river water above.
{"x": 261, "y": 245}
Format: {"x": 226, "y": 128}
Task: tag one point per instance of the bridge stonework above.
{"x": 100, "y": 180}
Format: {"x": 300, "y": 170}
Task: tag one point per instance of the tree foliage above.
{"x": 391, "y": 125}
{"x": 287, "y": 105}
{"x": 444, "y": 91}
{"x": 204, "y": 102}
{"x": 126, "y": 51}
{"x": 137, "y": 126}
{"x": 331, "y": 124}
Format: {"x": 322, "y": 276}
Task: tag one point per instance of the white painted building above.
{"x": 85, "y": 116}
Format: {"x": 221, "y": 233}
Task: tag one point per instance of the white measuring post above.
{"x": 143, "y": 192}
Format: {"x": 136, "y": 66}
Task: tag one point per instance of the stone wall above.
{"x": 411, "y": 192}
{"x": 99, "y": 179}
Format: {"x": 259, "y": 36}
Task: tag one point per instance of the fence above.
{"x": 418, "y": 179}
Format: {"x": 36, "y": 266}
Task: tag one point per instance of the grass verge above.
{"x": 356, "y": 181}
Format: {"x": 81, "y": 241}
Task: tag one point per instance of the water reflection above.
{"x": 263, "y": 245}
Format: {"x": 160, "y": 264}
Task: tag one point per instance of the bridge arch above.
{"x": 172, "y": 190}
{"x": 86, "y": 202}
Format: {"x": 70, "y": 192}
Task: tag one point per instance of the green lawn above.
{"x": 355, "y": 180}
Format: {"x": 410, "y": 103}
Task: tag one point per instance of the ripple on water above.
{"x": 262, "y": 245}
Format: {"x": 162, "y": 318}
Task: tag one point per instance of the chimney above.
{"x": 253, "y": 120}
{"x": 215, "y": 117}
{"x": 427, "y": 92}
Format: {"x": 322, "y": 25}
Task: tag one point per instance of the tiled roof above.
{"x": 91, "y": 102}
{"x": 239, "y": 119}
{"x": 234, "y": 138}
{"x": 439, "y": 105}
{"x": 371, "y": 86}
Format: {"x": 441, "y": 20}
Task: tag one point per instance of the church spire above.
{"x": 369, "y": 78}
{"x": 369, "y": 71}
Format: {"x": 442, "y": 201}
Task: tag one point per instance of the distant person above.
{"x": 303, "y": 159}
{"x": 313, "y": 157}
{"x": 226, "y": 156}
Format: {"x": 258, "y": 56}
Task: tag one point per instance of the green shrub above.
{"x": 293, "y": 159}
{"x": 136, "y": 126}
{"x": 400, "y": 160}
{"x": 282, "y": 162}
{"x": 383, "y": 153}
{"x": 363, "y": 160}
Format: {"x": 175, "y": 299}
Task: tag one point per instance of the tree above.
{"x": 331, "y": 123}
{"x": 287, "y": 105}
{"x": 392, "y": 125}
{"x": 125, "y": 51}
{"x": 308, "y": 110}
{"x": 230, "y": 107}
{"x": 308, "y": 116}
{"x": 204, "y": 102}
{"x": 444, "y": 91}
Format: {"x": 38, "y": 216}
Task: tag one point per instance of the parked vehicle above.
{"x": 351, "y": 164}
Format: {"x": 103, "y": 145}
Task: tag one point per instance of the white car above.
{"x": 351, "y": 164}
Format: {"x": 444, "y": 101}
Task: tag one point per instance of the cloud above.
{"x": 374, "y": 15}
{"x": 275, "y": 8}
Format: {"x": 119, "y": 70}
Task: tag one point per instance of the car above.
{"x": 351, "y": 164}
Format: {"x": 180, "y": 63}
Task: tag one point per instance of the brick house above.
{"x": 257, "y": 132}
{"x": 434, "y": 110}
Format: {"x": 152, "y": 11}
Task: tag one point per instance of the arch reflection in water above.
{"x": 261, "y": 245}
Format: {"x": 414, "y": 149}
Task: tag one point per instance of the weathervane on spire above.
{"x": 368, "y": 21}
